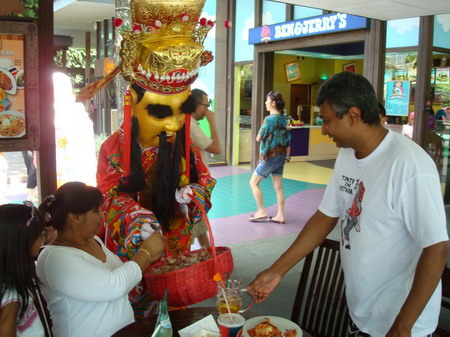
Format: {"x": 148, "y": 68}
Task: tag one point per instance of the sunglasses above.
{"x": 34, "y": 213}
{"x": 206, "y": 105}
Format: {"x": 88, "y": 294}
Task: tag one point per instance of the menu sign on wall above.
{"x": 12, "y": 85}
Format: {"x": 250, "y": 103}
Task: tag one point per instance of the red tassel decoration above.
{"x": 187, "y": 125}
{"x": 127, "y": 133}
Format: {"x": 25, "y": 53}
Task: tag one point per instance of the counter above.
{"x": 308, "y": 143}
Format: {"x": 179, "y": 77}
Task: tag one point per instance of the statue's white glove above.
{"x": 182, "y": 195}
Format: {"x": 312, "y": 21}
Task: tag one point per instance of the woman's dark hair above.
{"x": 72, "y": 197}
{"x": 276, "y": 97}
{"x": 20, "y": 227}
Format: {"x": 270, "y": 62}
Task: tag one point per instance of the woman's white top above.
{"x": 85, "y": 296}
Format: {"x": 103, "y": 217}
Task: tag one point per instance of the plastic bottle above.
{"x": 163, "y": 327}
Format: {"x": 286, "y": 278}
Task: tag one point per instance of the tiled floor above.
{"x": 256, "y": 245}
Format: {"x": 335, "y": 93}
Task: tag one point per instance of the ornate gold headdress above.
{"x": 163, "y": 49}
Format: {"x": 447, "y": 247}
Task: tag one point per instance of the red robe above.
{"x": 124, "y": 216}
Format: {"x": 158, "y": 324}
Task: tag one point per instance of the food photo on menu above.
{"x": 12, "y": 85}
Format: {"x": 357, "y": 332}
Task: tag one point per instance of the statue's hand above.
{"x": 182, "y": 195}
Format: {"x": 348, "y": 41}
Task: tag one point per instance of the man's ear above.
{"x": 355, "y": 114}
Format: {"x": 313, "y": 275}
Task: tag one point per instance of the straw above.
{"x": 156, "y": 330}
{"x": 226, "y": 300}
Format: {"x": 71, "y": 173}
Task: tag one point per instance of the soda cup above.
{"x": 231, "y": 327}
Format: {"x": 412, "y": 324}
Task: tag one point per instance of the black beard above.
{"x": 159, "y": 194}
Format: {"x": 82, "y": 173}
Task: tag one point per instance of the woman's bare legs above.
{"x": 257, "y": 194}
{"x": 277, "y": 182}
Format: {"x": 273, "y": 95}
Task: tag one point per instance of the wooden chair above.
{"x": 445, "y": 299}
{"x": 320, "y": 307}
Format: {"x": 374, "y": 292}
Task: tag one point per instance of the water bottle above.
{"x": 163, "y": 327}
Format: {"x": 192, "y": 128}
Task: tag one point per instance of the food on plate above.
{"x": 5, "y": 81}
{"x": 267, "y": 329}
{"x": 2, "y": 95}
{"x": 188, "y": 259}
{"x": 11, "y": 125}
{"x": 290, "y": 333}
{"x": 20, "y": 79}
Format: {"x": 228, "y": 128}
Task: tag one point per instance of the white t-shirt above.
{"x": 390, "y": 207}
{"x": 200, "y": 139}
{"x": 30, "y": 324}
{"x": 85, "y": 296}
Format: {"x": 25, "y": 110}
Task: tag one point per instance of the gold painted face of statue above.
{"x": 153, "y": 121}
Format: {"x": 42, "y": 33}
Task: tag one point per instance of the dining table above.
{"x": 179, "y": 318}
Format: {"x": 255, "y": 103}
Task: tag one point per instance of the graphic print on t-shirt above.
{"x": 351, "y": 218}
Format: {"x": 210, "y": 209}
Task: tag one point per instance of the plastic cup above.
{"x": 230, "y": 327}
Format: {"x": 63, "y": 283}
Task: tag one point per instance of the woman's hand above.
{"x": 155, "y": 244}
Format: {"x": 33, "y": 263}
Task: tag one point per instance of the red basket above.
{"x": 192, "y": 284}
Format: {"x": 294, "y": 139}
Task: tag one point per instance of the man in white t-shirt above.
{"x": 199, "y": 138}
{"x": 385, "y": 196}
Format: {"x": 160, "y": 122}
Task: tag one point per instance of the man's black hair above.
{"x": 346, "y": 89}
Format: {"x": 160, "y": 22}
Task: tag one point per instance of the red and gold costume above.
{"x": 161, "y": 53}
{"x": 125, "y": 217}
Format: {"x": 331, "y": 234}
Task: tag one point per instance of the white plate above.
{"x": 281, "y": 323}
{"x": 5, "y": 63}
{"x": 13, "y": 87}
{"x": 15, "y": 114}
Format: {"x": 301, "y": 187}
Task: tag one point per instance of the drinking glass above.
{"x": 233, "y": 291}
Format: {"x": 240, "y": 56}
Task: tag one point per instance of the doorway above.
{"x": 300, "y": 102}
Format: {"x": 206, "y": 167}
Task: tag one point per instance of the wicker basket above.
{"x": 192, "y": 284}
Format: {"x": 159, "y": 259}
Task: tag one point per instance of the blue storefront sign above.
{"x": 330, "y": 23}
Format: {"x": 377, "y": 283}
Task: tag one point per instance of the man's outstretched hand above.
{"x": 263, "y": 285}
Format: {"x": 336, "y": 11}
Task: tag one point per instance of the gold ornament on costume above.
{"x": 164, "y": 49}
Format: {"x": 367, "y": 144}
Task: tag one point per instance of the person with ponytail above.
{"x": 86, "y": 286}
{"x": 275, "y": 142}
{"x": 22, "y": 309}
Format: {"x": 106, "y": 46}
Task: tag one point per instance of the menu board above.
{"x": 397, "y": 98}
{"x": 12, "y": 85}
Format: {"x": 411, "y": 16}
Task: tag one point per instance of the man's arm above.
{"x": 215, "y": 145}
{"x": 315, "y": 231}
{"x": 428, "y": 273}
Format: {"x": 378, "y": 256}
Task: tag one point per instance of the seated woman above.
{"x": 22, "y": 233}
{"x": 86, "y": 286}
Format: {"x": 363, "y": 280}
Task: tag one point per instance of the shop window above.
{"x": 301, "y": 12}
{"x": 18, "y": 177}
{"x": 402, "y": 33}
{"x": 245, "y": 20}
{"x": 273, "y": 12}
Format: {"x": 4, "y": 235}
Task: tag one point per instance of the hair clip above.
{"x": 47, "y": 217}
{"x": 50, "y": 198}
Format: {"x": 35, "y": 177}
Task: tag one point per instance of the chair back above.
{"x": 320, "y": 306}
